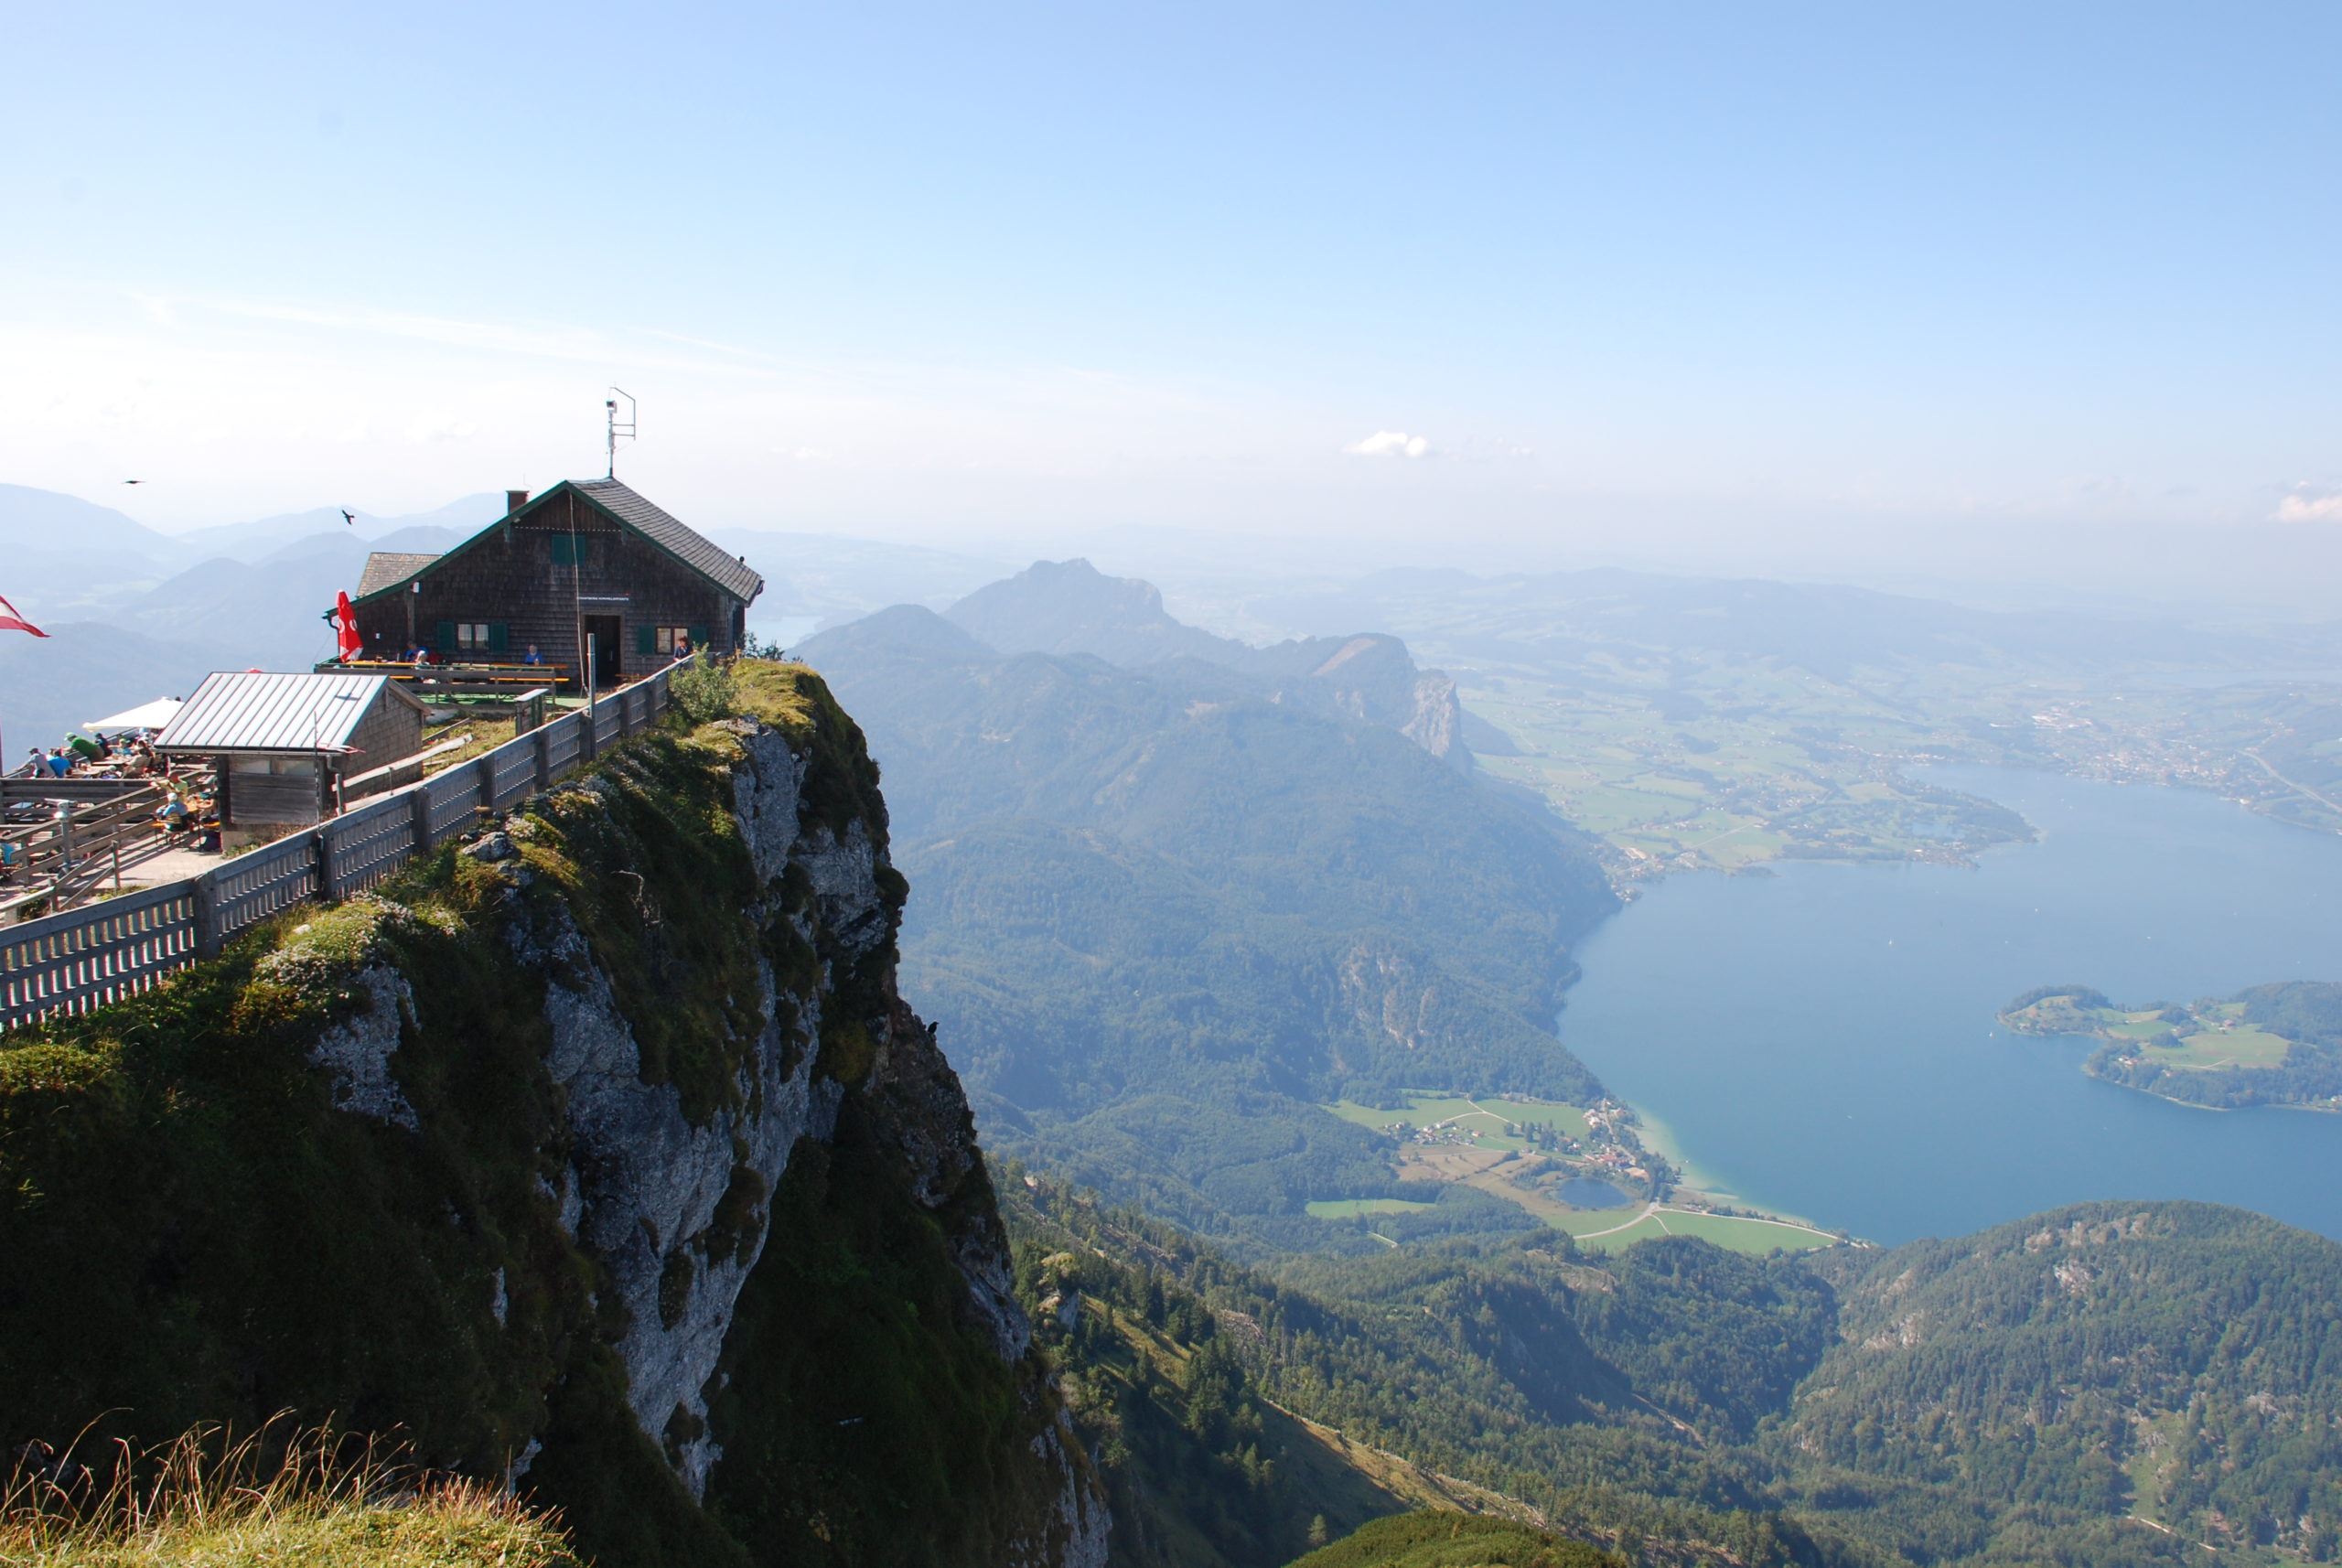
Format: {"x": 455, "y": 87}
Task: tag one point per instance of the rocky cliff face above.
{"x": 631, "y": 1168}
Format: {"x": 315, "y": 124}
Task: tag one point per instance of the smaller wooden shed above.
{"x": 283, "y": 742}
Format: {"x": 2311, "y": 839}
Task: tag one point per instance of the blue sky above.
{"x": 938, "y": 271}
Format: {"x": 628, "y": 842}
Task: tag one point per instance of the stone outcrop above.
{"x": 645, "y": 1186}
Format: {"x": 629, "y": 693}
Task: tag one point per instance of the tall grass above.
{"x": 281, "y": 1495}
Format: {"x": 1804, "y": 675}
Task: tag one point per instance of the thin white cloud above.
{"x": 1390, "y": 444}
{"x": 2310, "y": 503}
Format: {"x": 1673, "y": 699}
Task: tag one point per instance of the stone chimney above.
{"x": 514, "y": 501}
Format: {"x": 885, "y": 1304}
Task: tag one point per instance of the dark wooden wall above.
{"x": 511, "y": 576}
{"x": 390, "y": 730}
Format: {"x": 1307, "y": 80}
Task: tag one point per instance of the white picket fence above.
{"x": 85, "y": 958}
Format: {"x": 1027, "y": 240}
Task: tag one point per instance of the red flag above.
{"x": 345, "y": 621}
{"x": 11, "y": 622}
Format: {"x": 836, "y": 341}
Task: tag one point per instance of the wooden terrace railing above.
{"x": 85, "y": 958}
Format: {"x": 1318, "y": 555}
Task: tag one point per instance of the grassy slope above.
{"x": 1457, "y": 1540}
{"x": 443, "y": 1527}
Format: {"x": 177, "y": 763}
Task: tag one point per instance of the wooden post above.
{"x": 585, "y": 747}
{"x": 324, "y": 849}
{"x": 206, "y": 917}
{"x": 422, "y": 829}
{"x": 544, "y": 758}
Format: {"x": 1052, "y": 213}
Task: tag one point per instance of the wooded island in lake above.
{"x": 2268, "y": 1045}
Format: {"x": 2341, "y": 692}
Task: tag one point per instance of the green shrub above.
{"x": 702, "y": 690}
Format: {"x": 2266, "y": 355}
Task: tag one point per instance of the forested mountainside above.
{"x": 1165, "y": 912}
{"x": 2177, "y": 1361}
{"x": 602, "y": 1149}
{"x": 2107, "y": 1384}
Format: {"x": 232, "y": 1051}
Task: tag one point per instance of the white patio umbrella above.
{"x": 149, "y": 716}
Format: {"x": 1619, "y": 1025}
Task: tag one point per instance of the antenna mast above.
{"x": 620, "y": 429}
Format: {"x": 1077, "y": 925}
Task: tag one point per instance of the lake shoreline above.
{"x": 1831, "y": 1018}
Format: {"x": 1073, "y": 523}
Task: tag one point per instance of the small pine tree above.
{"x": 1317, "y": 1531}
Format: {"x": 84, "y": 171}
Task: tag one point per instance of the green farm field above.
{"x": 1737, "y": 766}
{"x": 2243, "y": 1046}
{"x": 1617, "y": 1230}
{"x": 1351, "y": 1207}
{"x": 1485, "y": 1121}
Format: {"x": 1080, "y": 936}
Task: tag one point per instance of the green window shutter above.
{"x": 644, "y": 640}
{"x": 699, "y": 639}
{"x": 568, "y": 551}
{"x": 447, "y": 637}
{"x": 560, "y": 543}
{"x": 499, "y": 637}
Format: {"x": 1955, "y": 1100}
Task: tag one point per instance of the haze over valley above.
{"x": 1218, "y": 787}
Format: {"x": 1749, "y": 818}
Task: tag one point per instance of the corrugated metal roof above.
{"x": 386, "y": 566}
{"x": 734, "y": 576}
{"x": 271, "y": 712}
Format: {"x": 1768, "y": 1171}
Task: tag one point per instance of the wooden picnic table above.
{"x": 467, "y": 675}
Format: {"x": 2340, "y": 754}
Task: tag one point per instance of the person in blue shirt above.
{"x": 533, "y": 656}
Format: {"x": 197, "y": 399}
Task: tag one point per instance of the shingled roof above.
{"x": 386, "y": 570}
{"x": 386, "y": 566}
{"x": 735, "y": 576}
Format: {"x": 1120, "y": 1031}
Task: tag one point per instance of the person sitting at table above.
{"x": 533, "y": 656}
{"x": 59, "y": 764}
{"x": 422, "y": 657}
{"x": 174, "y": 816}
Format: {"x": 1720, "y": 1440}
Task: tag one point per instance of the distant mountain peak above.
{"x": 1070, "y": 607}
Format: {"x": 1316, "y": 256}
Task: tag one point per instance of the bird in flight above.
{"x": 133, "y": 481}
{"x": 346, "y": 518}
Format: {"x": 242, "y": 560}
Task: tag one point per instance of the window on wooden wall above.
{"x": 477, "y": 638}
{"x": 662, "y": 638}
{"x": 568, "y": 551}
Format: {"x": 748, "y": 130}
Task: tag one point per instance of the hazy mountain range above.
{"x": 138, "y": 614}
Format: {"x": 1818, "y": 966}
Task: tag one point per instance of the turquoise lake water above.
{"x": 1823, "y": 1040}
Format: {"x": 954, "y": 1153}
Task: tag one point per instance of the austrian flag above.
{"x": 11, "y": 622}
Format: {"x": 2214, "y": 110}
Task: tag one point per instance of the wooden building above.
{"x": 283, "y": 743}
{"x": 587, "y": 558}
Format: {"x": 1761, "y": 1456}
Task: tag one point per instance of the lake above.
{"x": 1821, "y": 1040}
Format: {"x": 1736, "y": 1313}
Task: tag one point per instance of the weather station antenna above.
{"x": 620, "y": 429}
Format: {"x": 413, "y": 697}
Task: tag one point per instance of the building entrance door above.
{"x": 605, "y": 630}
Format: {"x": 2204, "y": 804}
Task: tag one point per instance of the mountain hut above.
{"x": 589, "y": 558}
